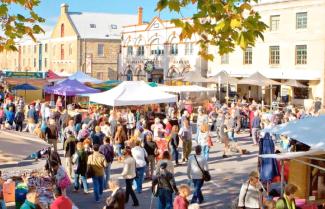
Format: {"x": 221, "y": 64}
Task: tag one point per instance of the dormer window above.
{"x": 114, "y": 27}
{"x": 156, "y": 25}
{"x": 92, "y": 25}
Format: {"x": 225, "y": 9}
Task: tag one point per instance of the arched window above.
{"x": 173, "y": 47}
{"x": 156, "y": 48}
{"x": 129, "y": 75}
{"x": 62, "y": 30}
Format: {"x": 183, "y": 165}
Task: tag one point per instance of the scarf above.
{"x": 290, "y": 206}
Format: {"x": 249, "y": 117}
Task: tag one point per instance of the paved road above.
{"x": 227, "y": 176}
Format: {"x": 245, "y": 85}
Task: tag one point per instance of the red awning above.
{"x": 53, "y": 76}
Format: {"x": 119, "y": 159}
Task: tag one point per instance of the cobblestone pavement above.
{"x": 227, "y": 176}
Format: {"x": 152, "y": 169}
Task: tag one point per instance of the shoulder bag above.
{"x": 205, "y": 174}
{"x": 90, "y": 170}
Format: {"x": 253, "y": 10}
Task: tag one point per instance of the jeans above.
{"x": 255, "y": 137}
{"x": 19, "y": 126}
{"x": 98, "y": 182}
{"x": 231, "y": 136}
{"x": 107, "y": 175}
{"x": 2, "y": 204}
{"x": 129, "y": 191}
{"x": 119, "y": 150}
{"x": 165, "y": 199}
{"x": 205, "y": 151}
{"x": 139, "y": 178}
{"x": 151, "y": 166}
{"x": 197, "y": 194}
{"x": 83, "y": 180}
{"x": 175, "y": 154}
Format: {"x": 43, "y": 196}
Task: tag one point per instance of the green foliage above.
{"x": 222, "y": 23}
{"x": 16, "y": 26}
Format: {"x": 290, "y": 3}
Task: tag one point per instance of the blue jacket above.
{"x": 10, "y": 116}
{"x": 28, "y": 205}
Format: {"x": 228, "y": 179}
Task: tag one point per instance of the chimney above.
{"x": 140, "y": 16}
{"x": 64, "y": 8}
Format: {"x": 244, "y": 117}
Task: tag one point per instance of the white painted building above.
{"x": 294, "y": 48}
{"x": 153, "y": 52}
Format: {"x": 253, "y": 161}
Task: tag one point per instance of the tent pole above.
{"x": 282, "y": 177}
{"x": 271, "y": 98}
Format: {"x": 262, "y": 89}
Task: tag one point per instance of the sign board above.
{"x": 25, "y": 74}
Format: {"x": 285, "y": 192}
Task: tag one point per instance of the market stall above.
{"x": 132, "y": 93}
{"x": 84, "y": 78}
{"x": 308, "y": 159}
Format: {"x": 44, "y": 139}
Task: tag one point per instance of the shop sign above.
{"x": 25, "y": 74}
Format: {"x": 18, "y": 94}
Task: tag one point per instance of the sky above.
{"x": 50, "y": 9}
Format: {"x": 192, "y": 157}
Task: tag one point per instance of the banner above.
{"x": 24, "y": 74}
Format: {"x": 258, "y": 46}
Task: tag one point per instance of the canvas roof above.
{"x": 132, "y": 93}
{"x": 180, "y": 89}
{"x": 223, "y": 77}
{"x": 84, "y": 78}
{"x": 104, "y": 24}
{"x": 70, "y": 87}
{"x": 258, "y": 79}
{"x": 294, "y": 83}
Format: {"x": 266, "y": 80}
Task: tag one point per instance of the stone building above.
{"x": 293, "y": 48}
{"x": 153, "y": 52}
{"x": 89, "y": 42}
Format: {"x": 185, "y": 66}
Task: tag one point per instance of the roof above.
{"x": 101, "y": 25}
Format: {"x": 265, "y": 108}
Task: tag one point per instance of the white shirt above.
{"x": 129, "y": 168}
{"x": 139, "y": 155}
{"x": 193, "y": 170}
{"x": 252, "y": 197}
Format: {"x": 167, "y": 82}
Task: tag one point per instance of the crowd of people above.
{"x": 96, "y": 138}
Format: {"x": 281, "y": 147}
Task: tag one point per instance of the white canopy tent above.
{"x": 181, "y": 89}
{"x": 132, "y": 93}
{"x": 309, "y": 131}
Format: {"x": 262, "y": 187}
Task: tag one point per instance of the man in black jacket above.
{"x": 117, "y": 198}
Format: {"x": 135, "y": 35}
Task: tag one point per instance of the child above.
{"x": 180, "y": 201}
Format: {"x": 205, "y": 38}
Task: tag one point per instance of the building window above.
{"x": 62, "y": 30}
{"x": 45, "y": 48}
{"x": 45, "y": 62}
{"x": 92, "y": 25}
{"x": 62, "y": 51}
{"x": 248, "y": 56}
{"x": 29, "y": 49}
{"x": 34, "y": 62}
{"x": 156, "y": 48}
{"x": 70, "y": 49}
{"x": 54, "y": 50}
{"x": 301, "y": 54}
{"x": 130, "y": 51}
{"x": 114, "y": 27}
{"x": 174, "y": 49}
{"x": 274, "y": 55}
{"x": 274, "y": 22}
{"x": 129, "y": 75}
{"x": 140, "y": 51}
{"x": 188, "y": 48}
{"x": 301, "y": 20}
{"x": 225, "y": 59}
{"x": 35, "y": 49}
{"x": 100, "y": 75}
{"x": 100, "y": 50}
{"x": 156, "y": 25}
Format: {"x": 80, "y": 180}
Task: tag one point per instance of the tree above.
{"x": 222, "y": 23}
{"x": 16, "y": 26}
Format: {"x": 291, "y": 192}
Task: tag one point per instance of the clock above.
{"x": 149, "y": 66}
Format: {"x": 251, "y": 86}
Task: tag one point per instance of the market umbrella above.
{"x": 84, "y": 78}
{"x": 257, "y": 79}
{"x": 25, "y": 87}
{"x": 294, "y": 83}
{"x": 195, "y": 77}
{"x": 223, "y": 78}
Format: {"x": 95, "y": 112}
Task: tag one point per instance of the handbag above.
{"x": 90, "y": 170}
{"x": 210, "y": 142}
{"x": 64, "y": 182}
{"x": 205, "y": 174}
